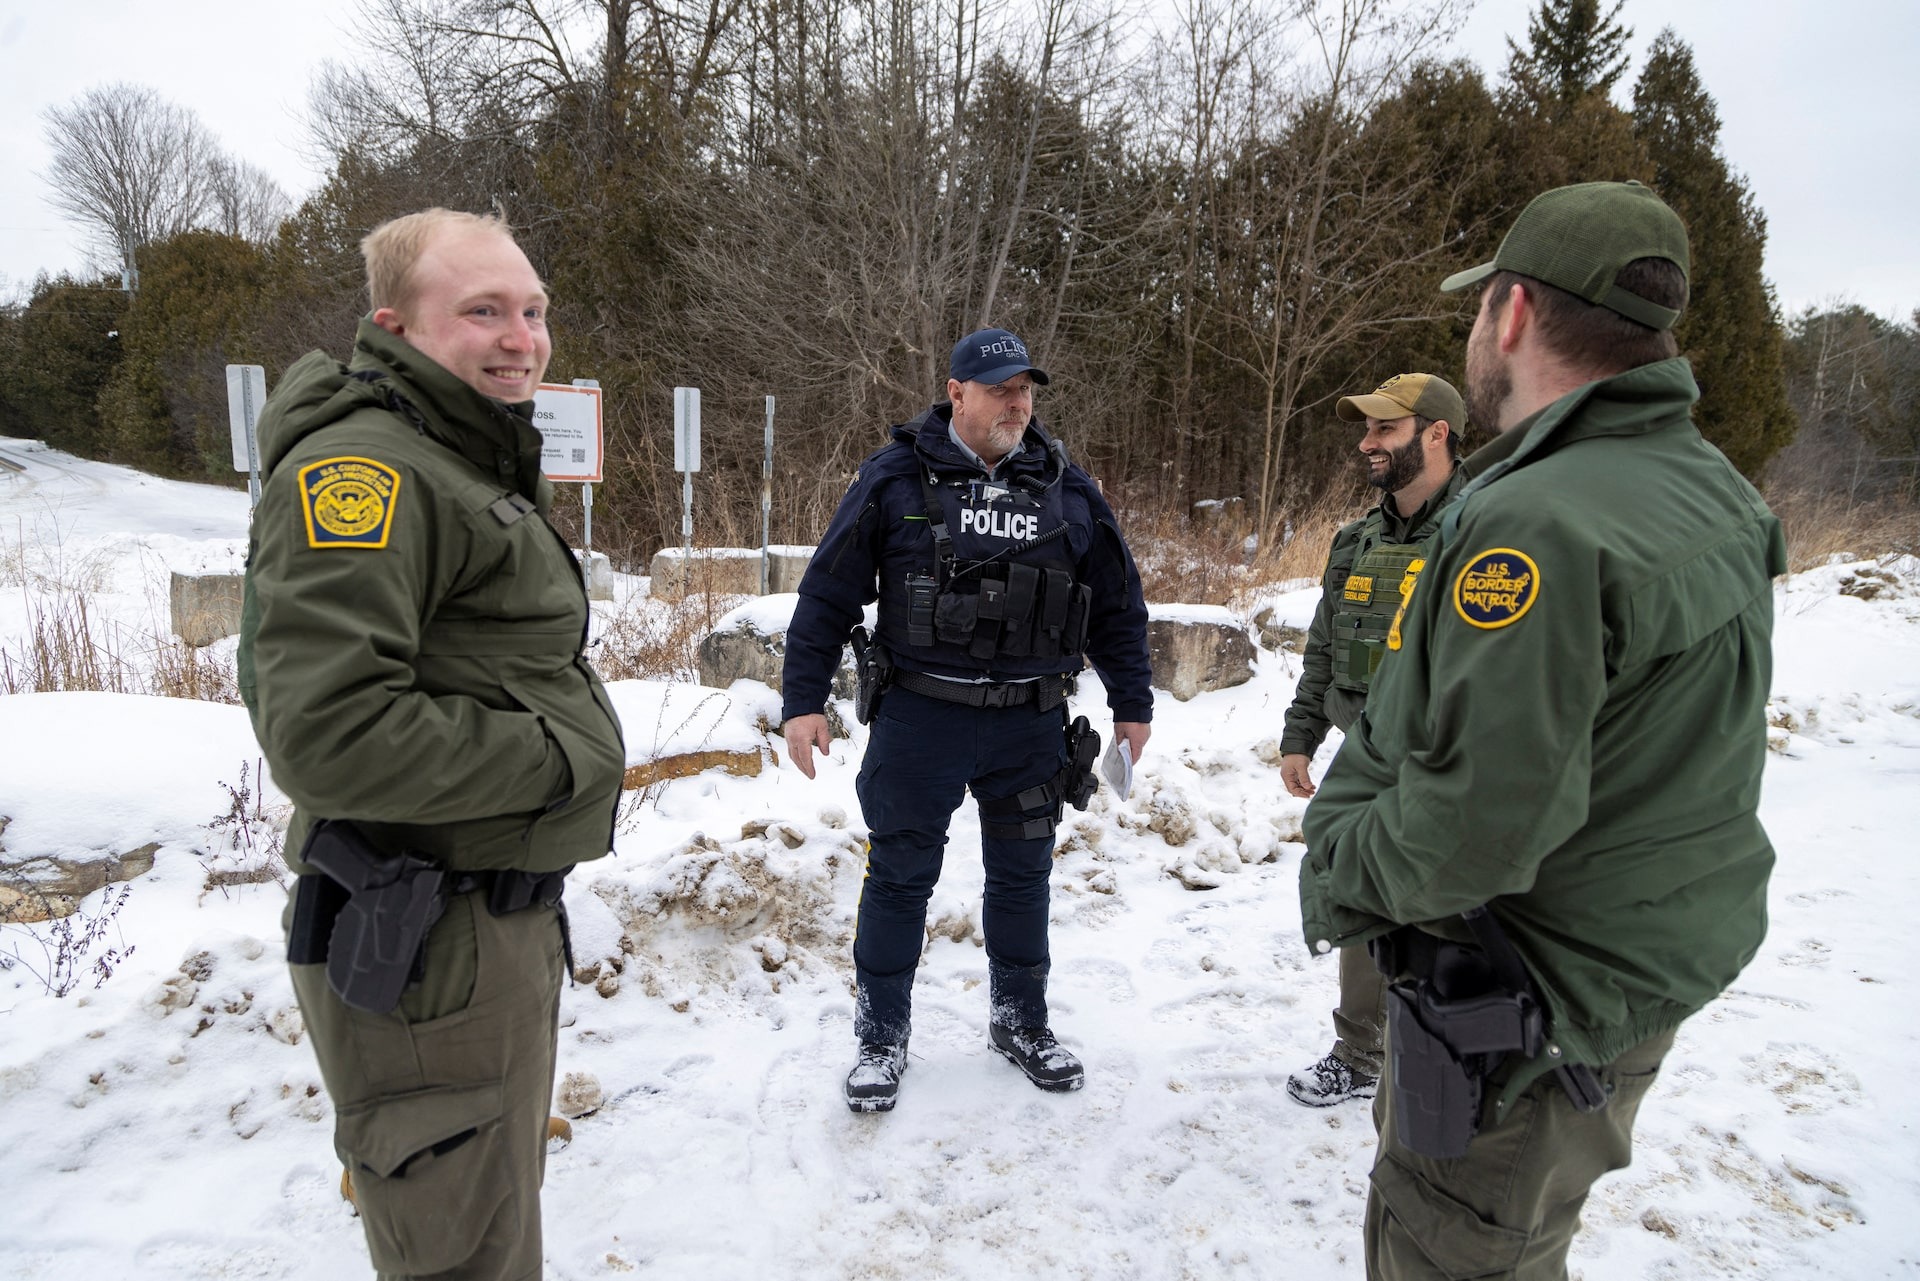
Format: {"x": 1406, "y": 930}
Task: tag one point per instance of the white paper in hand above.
{"x": 1117, "y": 768}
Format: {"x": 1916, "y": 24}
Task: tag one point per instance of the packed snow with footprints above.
{"x": 169, "y": 1122}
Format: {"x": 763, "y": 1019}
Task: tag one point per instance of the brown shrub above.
{"x": 1822, "y": 524}
{"x": 1198, "y": 561}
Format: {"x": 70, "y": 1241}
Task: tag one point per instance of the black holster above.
{"x": 1083, "y": 753}
{"x": 1003, "y": 817}
{"x": 1443, "y": 1051}
{"x": 873, "y": 672}
{"x": 381, "y": 905}
{"x": 1454, "y": 1014}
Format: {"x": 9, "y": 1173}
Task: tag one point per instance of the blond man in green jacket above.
{"x": 411, "y": 655}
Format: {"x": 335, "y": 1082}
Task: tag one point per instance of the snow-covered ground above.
{"x": 169, "y": 1123}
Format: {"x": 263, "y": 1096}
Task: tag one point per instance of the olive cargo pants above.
{"x": 1508, "y": 1209}
{"x": 1360, "y": 1020}
{"x": 441, "y": 1105}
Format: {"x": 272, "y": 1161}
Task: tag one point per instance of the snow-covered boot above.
{"x": 1332, "y": 1080}
{"x": 875, "y": 1080}
{"x": 1047, "y": 1063}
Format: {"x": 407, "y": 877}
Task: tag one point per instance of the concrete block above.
{"x": 732, "y": 571}
{"x": 1196, "y": 648}
{"x": 599, "y": 576}
{"x": 205, "y": 607}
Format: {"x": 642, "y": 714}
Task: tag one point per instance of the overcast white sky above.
{"x": 1816, "y": 101}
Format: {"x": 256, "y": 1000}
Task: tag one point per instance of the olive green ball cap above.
{"x": 1578, "y": 238}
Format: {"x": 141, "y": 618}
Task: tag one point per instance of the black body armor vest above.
{"x": 1003, "y": 585}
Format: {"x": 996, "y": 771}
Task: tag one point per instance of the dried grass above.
{"x": 60, "y": 650}
{"x": 657, "y": 640}
{"x": 1216, "y": 560}
{"x": 68, "y": 644}
{"x": 1821, "y": 526}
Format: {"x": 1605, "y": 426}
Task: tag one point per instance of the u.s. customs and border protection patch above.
{"x": 348, "y": 502}
{"x": 1496, "y": 588}
{"x": 1414, "y": 567}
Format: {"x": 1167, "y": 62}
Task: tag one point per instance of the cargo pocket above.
{"x": 1458, "y": 1243}
{"x": 428, "y": 1173}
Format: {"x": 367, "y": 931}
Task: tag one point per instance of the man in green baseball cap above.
{"x": 1545, "y": 824}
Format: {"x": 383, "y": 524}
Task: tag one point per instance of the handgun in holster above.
{"x": 873, "y": 672}
{"x": 1083, "y": 752}
{"x": 1453, "y": 1023}
{"x": 379, "y": 933}
{"x": 1015, "y": 817}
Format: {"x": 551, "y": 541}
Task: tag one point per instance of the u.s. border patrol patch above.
{"x": 348, "y": 502}
{"x": 1496, "y": 587}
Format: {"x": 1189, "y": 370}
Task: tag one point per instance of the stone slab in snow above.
{"x": 204, "y": 607}
{"x": 733, "y": 571}
{"x": 1197, "y": 648}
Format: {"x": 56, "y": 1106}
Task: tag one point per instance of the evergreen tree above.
{"x": 66, "y": 345}
{"x": 1573, "y": 49}
{"x": 1731, "y": 329}
{"x": 164, "y": 407}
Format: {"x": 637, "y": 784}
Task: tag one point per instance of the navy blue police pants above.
{"x": 921, "y": 758}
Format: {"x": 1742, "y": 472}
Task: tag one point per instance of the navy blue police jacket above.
{"x": 880, "y": 536}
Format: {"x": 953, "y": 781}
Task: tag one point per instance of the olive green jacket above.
{"x": 1318, "y": 703}
{"x": 410, "y": 645}
{"x": 1573, "y": 727}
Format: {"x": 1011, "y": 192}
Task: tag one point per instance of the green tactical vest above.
{"x": 1364, "y": 611}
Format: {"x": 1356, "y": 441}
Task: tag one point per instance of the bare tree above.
{"x": 1329, "y": 260}
{"x": 245, "y": 201}
{"x": 412, "y": 81}
{"x": 130, "y": 167}
{"x": 1214, "y": 70}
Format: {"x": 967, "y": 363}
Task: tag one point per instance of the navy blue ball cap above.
{"x": 992, "y": 356}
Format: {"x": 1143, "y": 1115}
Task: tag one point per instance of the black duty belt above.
{"x": 366, "y": 914}
{"x": 1050, "y": 691}
{"x": 513, "y": 890}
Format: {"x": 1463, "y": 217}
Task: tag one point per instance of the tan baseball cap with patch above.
{"x": 1427, "y": 395}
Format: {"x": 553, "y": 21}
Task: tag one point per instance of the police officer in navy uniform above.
{"x": 999, "y": 569}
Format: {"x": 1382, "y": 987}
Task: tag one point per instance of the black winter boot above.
{"x": 1047, "y": 1063}
{"x": 875, "y": 1080}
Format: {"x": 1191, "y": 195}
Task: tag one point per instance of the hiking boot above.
{"x": 1332, "y": 1080}
{"x": 875, "y": 1079}
{"x": 1047, "y": 1063}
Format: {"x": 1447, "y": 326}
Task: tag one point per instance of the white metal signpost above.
{"x": 686, "y": 461}
{"x": 766, "y": 498}
{"x": 246, "y": 393}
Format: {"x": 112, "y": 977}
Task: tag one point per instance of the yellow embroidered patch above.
{"x": 1497, "y": 588}
{"x": 1360, "y": 588}
{"x": 1406, "y": 594}
{"x": 348, "y": 502}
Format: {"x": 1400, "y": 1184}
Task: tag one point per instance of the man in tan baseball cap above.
{"x": 1412, "y": 447}
{"x": 1427, "y": 395}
